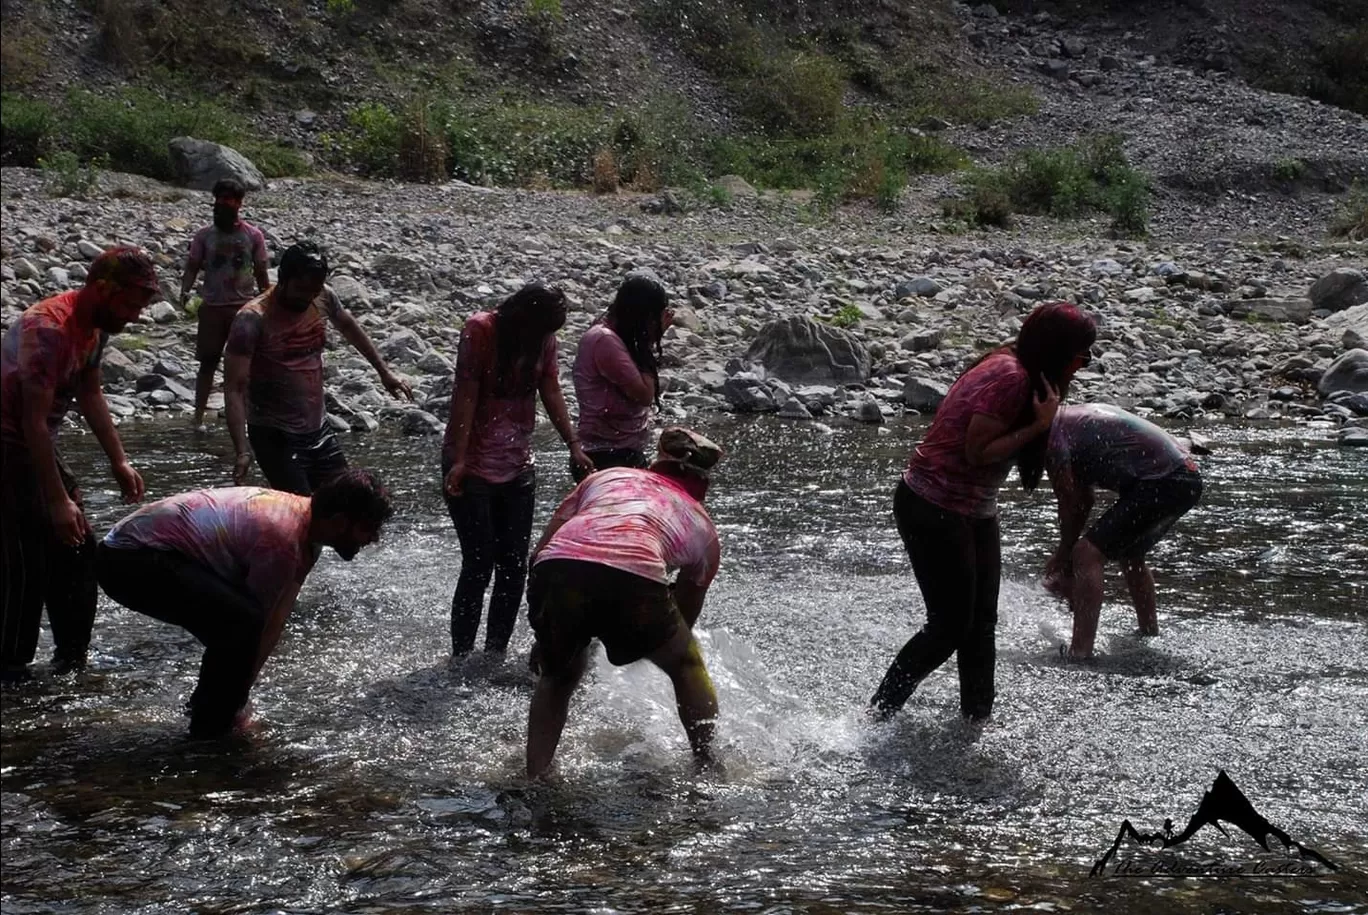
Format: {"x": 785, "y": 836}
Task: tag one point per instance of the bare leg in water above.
{"x": 1140, "y": 581}
{"x": 1086, "y": 599}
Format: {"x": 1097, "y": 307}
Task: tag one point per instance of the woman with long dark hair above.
{"x": 506, "y": 358}
{"x": 617, "y": 375}
{"x": 998, "y": 412}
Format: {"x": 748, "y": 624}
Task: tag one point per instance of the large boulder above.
{"x": 1347, "y": 373}
{"x": 199, "y": 164}
{"x": 1295, "y": 311}
{"x": 923, "y": 394}
{"x": 1340, "y": 289}
{"x": 802, "y": 351}
{"x": 1351, "y": 324}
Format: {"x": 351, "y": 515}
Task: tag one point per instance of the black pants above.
{"x": 957, "y": 561}
{"x": 37, "y": 570}
{"x": 175, "y": 589}
{"x": 296, "y": 462}
{"x": 617, "y": 457}
{"x": 494, "y": 524}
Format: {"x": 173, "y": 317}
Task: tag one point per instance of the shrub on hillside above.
{"x": 25, "y": 129}
{"x": 1351, "y": 221}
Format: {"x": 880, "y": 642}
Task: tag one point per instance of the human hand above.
{"x": 452, "y": 483}
{"x": 1046, "y": 407}
{"x": 580, "y": 459}
{"x": 395, "y": 385}
{"x": 69, "y": 522}
{"x": 241, "y": 464}
{"x": 130, "y": 482}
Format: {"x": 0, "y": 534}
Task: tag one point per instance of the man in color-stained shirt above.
{"x": 50, "y": 358}
{"x": 232, "y": 254}
{"x": 274, "y": 376}
{"x": 601, "y": 571}
{"x": 1098, "y": 446}
{"x": 226, "y": 565}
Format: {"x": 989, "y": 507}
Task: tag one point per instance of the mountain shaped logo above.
{"x": 1223, "y": 803}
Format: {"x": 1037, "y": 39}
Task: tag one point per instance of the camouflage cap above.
{"x": 688, "y": 448}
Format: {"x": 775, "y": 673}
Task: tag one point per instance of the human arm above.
{"x": 614, "y": 364}
{"x": 353, "y": 333}
{"x": 1074, "y": 505}
{"x": 563, "y": 513}
{"x": 691, "y": 587}
{"x": 193, "y": 263}
{"x": 261, "y": 263}
{"x": 554, "y": 401}
{"x": 274, "y": 626}
{"x": 68, "y": 522}
{"x": 90, "y": 401}
{"x": 990, "y": 440}
{"x": 237, "y": 369}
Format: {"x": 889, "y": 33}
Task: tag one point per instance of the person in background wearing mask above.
{"x": 506, "y": 358}
{"x": 50, "y": 357}
{"x": 274, "y": 376}
{"x": 617, "y": 375}
{"x": 232, "y": 254}
{"x": 227, "y": 565}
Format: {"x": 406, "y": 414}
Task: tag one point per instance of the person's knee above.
{"x": 1086, "y": 555}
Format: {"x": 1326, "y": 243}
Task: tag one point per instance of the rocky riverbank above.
{"x": 874, "y": 319}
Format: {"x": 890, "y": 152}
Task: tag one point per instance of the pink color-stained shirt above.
{"x": 255, "y": 539}
{"x": 229, "y": 261}
{"x": 608, "y": 418}
{"x": 1106, "y": 447}
{"x": 48, "y": 346}
{"x": 938, "y": 470}
{"x": 637, "y": 521}
{"x": 500, "y": 445}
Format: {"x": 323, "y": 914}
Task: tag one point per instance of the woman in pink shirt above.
{"x": 996, "y": 414}
{"x": 617, "y": 375}
{"x": 506, "y": 358}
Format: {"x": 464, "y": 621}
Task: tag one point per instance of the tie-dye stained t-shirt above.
{"x": 285, "y": 387}
{"x": 1109, "y": 448}
{"x": 253, "y": 538}
{"x": 608, "y": 418}
{"x": 48, "y": 346}
{"x": 229, "y": 261}
{"x": 640, "y": 522}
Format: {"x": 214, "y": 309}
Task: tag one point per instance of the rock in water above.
{"x": 1347, "y": 373}
{"x": 924, "y": 395}
{"x": 802, "y": 351}
{"x": 199, "y": 164}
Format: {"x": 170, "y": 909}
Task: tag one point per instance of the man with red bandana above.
{"x": 50, "y": 357}
{"x": 232, "y": 254}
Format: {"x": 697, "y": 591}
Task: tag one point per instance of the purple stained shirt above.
{"x": 1106, "y": 447}
{"x": 48, "y": 346}
{"x": 608, "y": 418}
{"x": 500, "y": 445}
{"x": 229, "y": 261}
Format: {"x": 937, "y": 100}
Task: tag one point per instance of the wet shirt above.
{"x": 1106, "y": 447}
{"x": 229, "y": 261}
{"x": 46, "y": 347}
{"x": 640, "y": 522}
{"x": 938, "y": 470}
{"x": 500, "y": 445}
{"x": 285, "y": 387}
{"x": 608, "y": 418}
{"x": 255, "y": 539}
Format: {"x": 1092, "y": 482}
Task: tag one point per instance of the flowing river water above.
{"x": 384, "y": 780}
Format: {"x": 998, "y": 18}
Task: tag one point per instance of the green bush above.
{"x": 923, "y": 89}
{"x": 370, "y": 143}
{"x": 848, "y": 316}
{"x": 1351, "y": 221}
{"x": 987, "y": 204}
{"x": 1288, "y": 169}
{"x": 26, "y": 127}
{"x": 67, "y": 177}
{"x": 520, "y": 142}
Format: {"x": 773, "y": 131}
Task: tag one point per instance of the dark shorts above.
{"x": 1144, "y": 513}
{"x": 297, "y": 462}
{"x": 571, "y": 602}
{"x": 617, "y": 457}
{"x": 211, "y": 333}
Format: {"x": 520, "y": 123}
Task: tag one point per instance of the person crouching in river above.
{"x": 226, "y": 565}
{"x": 1098, "y": 446}
{"x": 945, "y": 504}
{"x": 601, "y": 571}
{"x": 617, "y": 375}
{"x": 506, "y": 357}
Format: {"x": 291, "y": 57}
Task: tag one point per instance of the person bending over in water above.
{"x": 617, "y": 375}
{"x": 946, "y": 502}
{"x": 601, "y": 571}
{"x": 1097, "y": 446}
{"x": 506, "y": 358}
{"x": 226, "y": 565}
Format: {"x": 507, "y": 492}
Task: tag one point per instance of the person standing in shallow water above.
{"x": 232, "y": 254}
{"x": 601, "y": 570}
{"x": 617, "y": 375}
{"x": 51, "y": 357}
{"x": 506, "y": 357}
{"x": 1098, "y": 446}
{"x": 274, "y": 376}
{"x": 945, "y": 504}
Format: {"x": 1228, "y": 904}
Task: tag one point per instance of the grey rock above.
{"x": 1347, "y": 373}
{"x": 746, "y": 393}
{"x": 869, "y": 412}
{"x": 305, "y": 118}
{"x": 1295, "y": 311}
{"x": 803, "y": 351}
{"x": 1354, "y": 438}
{"x": 24, "y": 269}
{"x": 117, "y": 368}
{"x": 434, "y": 363}
{"x": 337, "y": 423}
{"x": 421, "y": 422}
{"x": 1339, "y": 289}
{"x": 162, "y": 313}
{"x": 923, "y": 394}
{"x": 922, "y": 341}
{"x": 736, "y": 186}
{"x": 1109, "y": 62}
{"x": 89, "y": 250}
{"x": 363, "y": 421}
{"x": 182, "y": 392}
{"x": 794, "y": 408}
{"x": 199, "y": 164}
{"x": 162, "y": 397}
{"x": 1074, "y": 47}
{"x": 923, "y": 286}
{"x": 58, "y": 277}
{"x": 1107, "y": 267}
{"x": 404, "y": 346}
{"x": 149, "y": 382}
{"x": 351, "y": 293}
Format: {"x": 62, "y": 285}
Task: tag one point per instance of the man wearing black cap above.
{"x": 602, "y": 571}
{"x": 51, "y": 358}
{"x": 273, "y": 376}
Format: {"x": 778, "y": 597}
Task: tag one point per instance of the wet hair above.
{"x": 229, "y": 187}
{"x": 1053, "y": 335}
{"x": 124, "y": 265}
{"x": 357, "y": 495}
{"x": 522, "y": 322}
{"x": 304, "y": 258}
{"x": 636, "y": 315}
{"x": 693, "y": 482}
